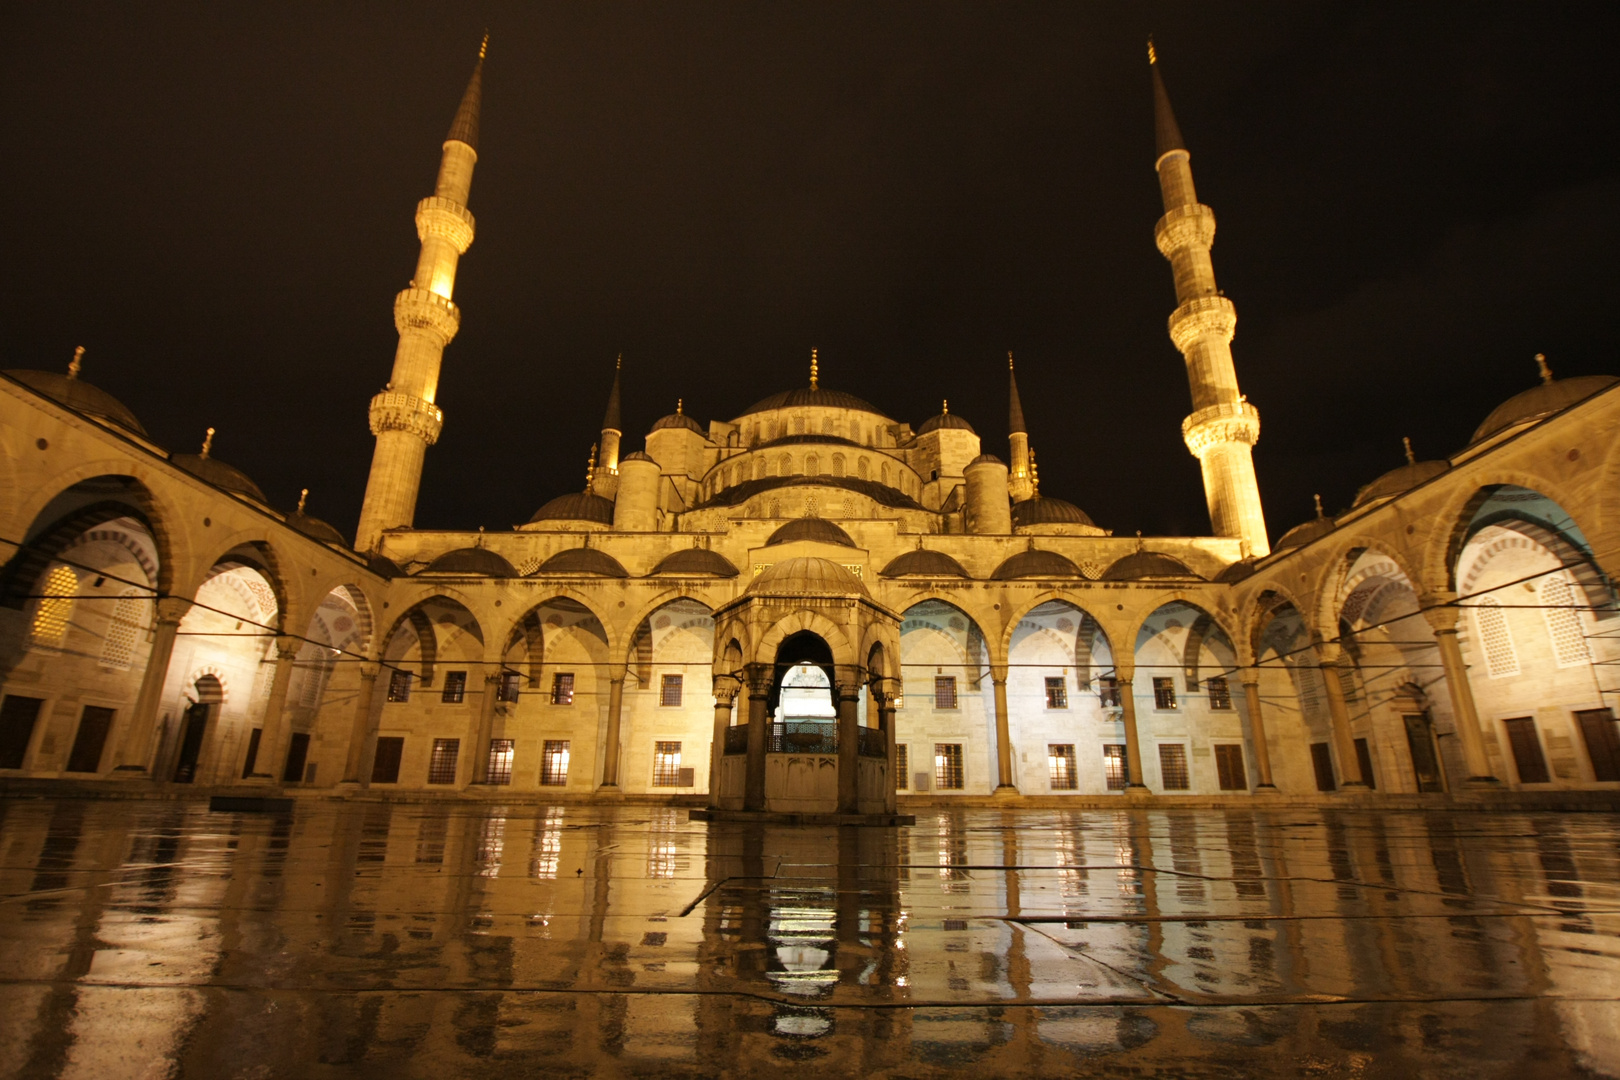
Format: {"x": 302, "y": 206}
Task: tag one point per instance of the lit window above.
{"x": 1057, "y": 693}
{"x": 948, "y": 766}
{"x": 669, "y": 691}
{"x": 945, "y": 691}
{"x": 666, "y": 764}
{"x": 1173, "y": 766}
{"x": 1060, "y": 762}
{"x": 508, "y": 691}
{"x": 901, "y": 776}
{"x": 499, "y": 769}
{"x": 562, "y": 688}
{"x": 442, "y": 765}
{"x": 1229, "y": 769}
{"x": 554, "y": 763}
{"x": 123, "y": 631}
{"x": 1164, "y": 693}
{"x": 1116, "y": 772}
{"x": 1563, "y": 622}
{"x": 455, "y": 687}
{"x": 1108, "y": 691}
{"x": 1220, "y": 694}
{"x": 55, "y": 608}
{"x": 1500, "y": 657}
{"x": 399, "y": 686}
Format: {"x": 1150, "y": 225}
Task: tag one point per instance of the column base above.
{"x": 129, "y": 772}
{"x": 1138, "y": 791}
{"x": 1266, "y": 789}
{"x": 1006, "y": 791}
{"x": 610, "y": 792}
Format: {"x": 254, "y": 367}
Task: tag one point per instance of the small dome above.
{"x": 808, "y": 576}
{"x": 580, "y": 506}
{"x": 987, "y": 459}
{"x": 1045, "y": 511}
{"x": 828, "y": 399}
{"x": 924, "y": 563}
{"x": 473, "y": 560}
{"x": 637, "y": 456}
{"x": 695, "y": 561}
{"x": 80, "y": 396}
{"x": 1550, "y": 397}
{"x": 1300, "y": 535}
{"x": 315, "y": 528}
{"x": 583, "y": 561}
{"x": 948, "y": 421}
{"x": 814, "y": 529}
{"x": 216, "y": 472}
{"x": 1400, "y": 481}
{"x": 1035, "y": 564}
{"x": 383, "y": 566}
{"x": 1238, "y": 571}
{"x": 1147, "y": 564}
{"x": 679, "y": 420}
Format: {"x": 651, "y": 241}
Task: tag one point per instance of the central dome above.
{"x": 827, "y": 399}
{"x": 807, "y": 576}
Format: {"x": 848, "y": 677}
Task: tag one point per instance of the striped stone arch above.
{"x": 1341, "y": 580}
{"x": 210, "y": 671}
{"x": 1003, "y": 641}
{"x": 1261, "y": 609}
{"x": 147, "y": 560}
{"x": 842, "y": 650}
{"x": 48, "y": 541}
{"x": 1447, "y": 534}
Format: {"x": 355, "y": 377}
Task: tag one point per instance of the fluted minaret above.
{"x": 1020, "y": 477}
{"x": 404, "y": 417}
{"x": 1223, "y": 427}
{"x": 607, "y": 464}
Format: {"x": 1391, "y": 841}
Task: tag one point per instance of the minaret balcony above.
{"x": 1200, "y": 318}
{"x": 436, "y": 216}
{"x": 1228, "y": 422}
{"x": 394, "y": 411}
{"x": 1191, "y": 226}
{"x": 423, "y": 309}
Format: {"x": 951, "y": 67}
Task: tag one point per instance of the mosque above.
{"x": 811, "y": 608}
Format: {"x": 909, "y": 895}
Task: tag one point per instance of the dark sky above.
{"x": 216, "y": 200}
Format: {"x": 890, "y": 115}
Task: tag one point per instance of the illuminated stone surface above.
{"x": 402, "y": 941}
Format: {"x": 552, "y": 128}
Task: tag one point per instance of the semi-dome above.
{"x": 221, "y": 475}
{"x": 806, "y": 576}
{"x": 583, "y": 561}
{"x": 1042, "y": 510}
{"x": 473, "y": 560}
{"x": 814, "y": 529}
{"x": 678, "y": 420}
{"x": 1554, "y": 395}
{"x": 1400, "y": 481}
{"x": 1300, "y": 535}
{"x": 819, "y": 397}
{"x": 1147, "y": 564}
{"x": 579, "y": 506}
{"x": 924, "y": 563}
{"x": 315, "y": 528}
{"x": 695, "y": 561}
{"x": 948, "y": 421}
{"x": 1036, "y": 564}
{"x": 80, "y": 396}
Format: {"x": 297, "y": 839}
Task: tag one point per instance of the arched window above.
{"x": 55, "y": 607}
{"x": 784, "y": 465}
{"x": 883, "y": 473}
{"x": 855, "y": 431}
{"x": 863, "y": 469}
{"x": 798, "y": 425}
{"x": 759, "y": 468}
{"x": 812, "y": 465}
{"x": 1500, "y": 657}
{"x": 123, "y": 630}
{"x": 1563, "y": 622}
{"x": 826, "y": 425}
{"x": 838, "y": 464}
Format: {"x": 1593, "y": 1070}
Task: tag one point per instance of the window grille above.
{"x": 554, "y": 763}
{"x": 1173, "y": 767}
{"x": 385, "y": 765}
{"x": 948, "y": 766}
{"x": 784, "y": 465}
{"x": 509, "y": 688}
{"x": 1229, "y": 770}
{"x": 455, "y": 687}
{"x": 499, "y": 769}
{"x": 399, "y": 686}
{"x": 1500, "y": 657}
{"x": 123, "y": 631}
{"x": 1220, "y": 693}
{"x": 1108, "y": 691}
{"x": 55, "y": 609}
{"x": 1060, "y": 763}
{"x": 1563, "y": 622}
{"x": 1057, "y": 693}
{"x": 838, "y": 466}
{"x": 666, "y": 764}
{"x": 862, "y": 468}
{"x": 562, "y": 688}
{"x": 669, "y": 691}
{"x": 1164, "y": 692}
{"x": 812, "y": 467}
{"x": 945, "y": 691}
{"x": 1116, "y": 770}
{"x": 901, "y": 765}
{"x": 442, "y": 765}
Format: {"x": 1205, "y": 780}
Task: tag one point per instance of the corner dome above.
{"x": 814, "y": 529}
{"x": 1035, "y": 563}
{"x": 986, "y": 459}
{"x": 1400, "y": 481}
{"x": 383, "y": 566}
{"x": 924, "y": 563}
{"x": 583, "y": 561}
{"x": 216, "y": 472}
{"x": 828, "y": 399}
{"x": 806, "y": 576}
{"x": 1550, "y": 397}
{"x": 579, "y": 506}
{"x": 1238, "y": 571}
{"x": 473, "y": 560}
{"x": 679, "y": 420}
{"x": 1300, "y": 535}
{"x": 1046, "y": 511}
{"x": 1147, "y": 564}
{"x": 946, "y": 421}
{"x": 316, "y": 529}
{"x": 81, "y": 397}
{"x": 696, "y": 561}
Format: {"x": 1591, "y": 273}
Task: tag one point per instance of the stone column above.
{"x": 1257, "y": 732}
{"x": 1004, "y": 765}
{"x": 610, "y": 755}
{"x": 1349, "y": 764}
{"x": 1443, "y": 620}
{"x": 486, "y": 727}
{"x": 272, "y": 729}
{"x": 884, "y": 692}
{"x": 360, "y": 727}
{"x": 135, "y": 750}
{"x": 1133, "y": 743}
{"x": 759, "y": 691}
{"x": 848, "y": 692}
{"x": 725, "y": 692}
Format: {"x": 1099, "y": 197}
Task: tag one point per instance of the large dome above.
{"x": 1400, "y": 481}
{"x": 827, "y": 399}
{"x": 216, "y": 472}
{"x": 813, "y": 529}
{"x": 1300, "y": 535}
{"x": 579, "y": 506}
{"x": 807, "y": 576}
{"x": 1045, "y": 511}
{"x": 81, "y": 397}
{"x": 678, "y": 420}
{"x": 947, "y": 421}
{"x": 315, "y": 528}
{"x": 1550, "y": 397}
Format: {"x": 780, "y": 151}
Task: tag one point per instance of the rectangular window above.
{"x": 554, "y": 763}
{"x": 1229, "y": 769}
{"x": 508, "y": 690}
{"x": 1057, "y": 692}
{"x": 1060, "y": 766}
{"x": 669, "y": 691}
{"x": 1322, "y": 761}
{"x": 385, "y": 766}
{"x": 499, "y": 768}
{"x": 1164, "y": 692}
{"x": 1602, "y": 742}
{"x": 944, "y": 691}
{"x": 948, "y": 763}
{"x": 1173, "y": 767}
{"x": 1116, "y": 770}
{"x": 901, "y": 764}
{"x": 1108, "y": 691}
{"x": 455, "y": 687}
{"x": 399, "y": 686}
{"x": 252, "y": 752}
{"x": 94, "y": 723}
{"x": 1364, "y": 759}
{"x": 292, "y": 770}
{"x": 1220, "y": 694}
{"x": 442, "y": 765}
{"x": 1526, "y": 750}
{"x": 17, "y": 718}
{"x": 666, "y": 764}
{"x": 562, "y": 688}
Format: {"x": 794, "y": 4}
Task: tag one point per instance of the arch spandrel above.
{"x": 1444, "y": 539}
{"x": 93, "y": 509}
{"x": 1001, "y": 644}
{"x": 1340, "y": 578}
{"x": 815, "y": 622}
{"x": 663, "y": 599}
{"x": 1222, "y": 620}
{"x": 255, "y": 549}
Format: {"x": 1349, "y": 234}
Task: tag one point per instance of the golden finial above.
{"x": 945, "y": 407}
{"x": 1034, "y": 476}
{"x": 1009, "y": 360}
{"x": 815, "y": 372}
{"x": 303, "y": 496}
{"x": 1153, "y": 57}
{"x": 484, "y": 48}
{"x": 76, "y": 362}
{"x": 1541, "y": 366}
{"x": 680, "y": 406}
{"x": 590, "y": 470}
{"x": 208, "y": 442}
{"x": 1318, "y": 499}
{"x": 619, "y": 363}
{"x": 1411, "y": 458}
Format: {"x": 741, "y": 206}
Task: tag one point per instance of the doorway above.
{"x": 1425, "y": 762}
{"x": 194, "y": 725}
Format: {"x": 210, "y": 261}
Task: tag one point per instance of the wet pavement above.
{"x": 142, "y": 939}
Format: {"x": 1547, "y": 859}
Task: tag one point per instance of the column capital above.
{"x": 1124, "y": 673}
{"x": 726, "y": 688}
{"x": 1441, "y": 612}
{"x": 1249, "y": 676}
{"x": 886, "y": 690}
{"x": 288, "y": 647}
{"x": 171, "y": 609}
{"x": 370, "y": 669}
{"x": 998, "y": 672}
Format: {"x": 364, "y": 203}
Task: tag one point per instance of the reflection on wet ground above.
{"x": 146, "y": 939}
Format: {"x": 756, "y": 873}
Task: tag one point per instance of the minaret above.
{"x": 607, "y": 464}
{"x": 404, "y": 417}
{"x": 1019, "y": 475}
{"x": 1223, "y": 427}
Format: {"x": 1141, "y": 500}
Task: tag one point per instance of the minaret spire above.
{"x": 607, "y": 465}
{"x": 1223, "y": 427}
{"x": 1020, "y": 471}
{"x": 815, "y": 371}
{"x": 405, "y": 417}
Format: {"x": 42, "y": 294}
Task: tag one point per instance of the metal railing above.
{"x": 737, "y": 739}
{"x": 873, "y": 743}
{"x": 803, "y": 737}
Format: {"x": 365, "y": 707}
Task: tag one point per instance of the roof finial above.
{"x": 484, "y": 46}
{"x": 1541, "y": 366}
{"x": 590, "y": 471}
{"x": 1153, "y": 57}
{"x": 303, "y": 496}
{"x": 619, "y": 363}
{"x": 680, "y": 406}
{"x": 1318, "y": 499}
{"x": 1034, "y": 476}
{"x": 815, "y": 373}
{"x": 208, "y": 442}
{"x": 76, "y": 362}
{"x": 1411, "y": 458}
{"x": 1009, "y": 360}
{"x": 945, "y": 407}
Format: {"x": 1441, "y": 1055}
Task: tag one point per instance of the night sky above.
{"x": 216, "y": 200}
